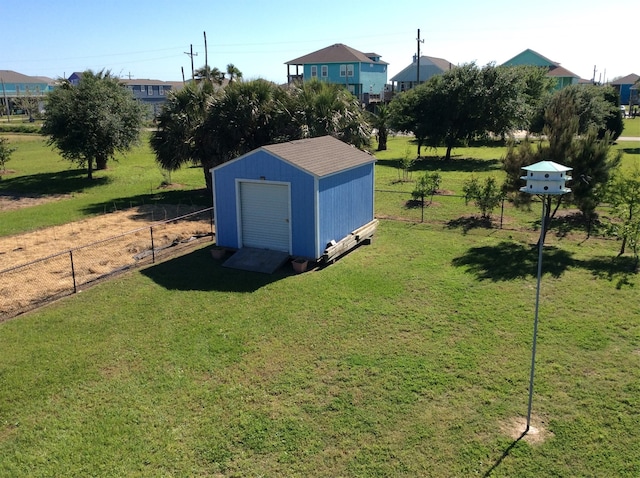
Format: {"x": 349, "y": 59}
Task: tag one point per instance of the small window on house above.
{"x": 343, "y": 70}
{"x": 349, "y": 70}
{"x": 325, "y": 71}
{"x": 314, "y": 71}
{"x": 143, "y": 88}
{"x": 150, "y": 90}
{"x": 161, "y": 90}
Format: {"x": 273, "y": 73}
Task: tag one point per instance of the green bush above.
{"x": 19, "y": 128}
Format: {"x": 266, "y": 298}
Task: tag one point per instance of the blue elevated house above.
{"x": 627, "y": 88}
{"x": 310, "y": 198}
{"x": 14, "y": 85}
{"x": 364, "y": 74}
{"x": 152, "y": 93}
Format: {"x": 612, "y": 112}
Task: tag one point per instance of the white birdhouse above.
{"x": 546, "y": 177}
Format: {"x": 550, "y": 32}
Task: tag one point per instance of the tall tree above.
{"x": 590, "y": 157}
{"x": 177, "y": 139}
{"x": 92, "y": 121}
{"x": 233, "y": 72}
{"x": 466, "y": 102}
{"x": 209, "y": 127}
{"x": 321, "y": 108}
{"x": 594, "y": 163}
{"x": 408, "y": 115}
{"x": 214, "y": 75}
{"x": 380, "y": 121}
{"x": 245, "y": 116}
{"x": 598, "y": 107}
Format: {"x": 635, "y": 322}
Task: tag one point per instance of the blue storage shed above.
{"x": 297, "y": 197}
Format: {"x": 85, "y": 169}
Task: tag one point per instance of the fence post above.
{"x": 153, "y": 249}
{"x": 73, "y": 272}
{"x": 211, "y": 224}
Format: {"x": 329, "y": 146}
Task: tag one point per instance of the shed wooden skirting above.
{"x": 362, "y": 234}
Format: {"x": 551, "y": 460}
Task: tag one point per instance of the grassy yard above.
{"x": 130, "y": 181}
{"x": 631, "y": 127}
{"x": 408, "y": 357}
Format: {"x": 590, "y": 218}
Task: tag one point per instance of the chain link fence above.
{"x": 25, "y": 286}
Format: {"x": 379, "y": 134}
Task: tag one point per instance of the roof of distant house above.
{"x": 10, "y": 76}
{"x": 554, "y": 67}
{"x": 142, "y": 81}
{"x": 409, "y": 73}
{"x": 335, "y": 54}
{"x": 631, "y": 79}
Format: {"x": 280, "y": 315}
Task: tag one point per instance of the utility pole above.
{"x": 206, "y": 54}
{"x": 418, "y": 59}
{"x": 191, "y": 54}
{"x": 6, "y": 101}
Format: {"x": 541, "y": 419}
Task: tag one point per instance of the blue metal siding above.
{"x": 333, "y": 72}
{"x": 262, "y": 165}
{"x": 346, "y": 203}
{"x": 373, "y": 78}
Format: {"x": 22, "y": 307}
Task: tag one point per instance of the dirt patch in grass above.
{"x": 537, "y": 434}
{"x": 37, "y": 265}
{"x": 10, "y": 201}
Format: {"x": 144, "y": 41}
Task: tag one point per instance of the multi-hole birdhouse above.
{"x": 546, "y": 177}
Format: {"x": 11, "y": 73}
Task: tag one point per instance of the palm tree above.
{"x": 322, "y": 108}
{"x": 381, "y": 117}
{"x": 214, "y": 75}
{"x": 177, "y": 140}
{"x": 233, "y": 72}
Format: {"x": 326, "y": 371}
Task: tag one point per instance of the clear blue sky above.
{"x": 148, "y": 39}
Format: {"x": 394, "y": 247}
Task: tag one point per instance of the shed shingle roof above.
{"x": 320, "y": 156}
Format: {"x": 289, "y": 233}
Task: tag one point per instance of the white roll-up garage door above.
{"x": 264, "y": 210}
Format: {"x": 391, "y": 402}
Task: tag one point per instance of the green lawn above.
{"x": 631, "y": 127}
{"x": 408, "y": 357}
{"x": 129, "y": 181}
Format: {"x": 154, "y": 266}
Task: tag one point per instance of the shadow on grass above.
{"x": 62, "y": 182}
{"x": 508, "y": 261}
{"x": 199, "y": 271}
{"x": 622, "y": 270}
{"x": 470, "y": 222}
{"x": 631, "y": 150}
{"x": 504, "y": 455}
{"x": 197, "y": 197}
{"x": 435, "y": 163}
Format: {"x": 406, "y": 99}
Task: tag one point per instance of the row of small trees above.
{"x": 584, "y": 146}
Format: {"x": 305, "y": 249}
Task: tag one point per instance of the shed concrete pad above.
{"x": 257, "y": 260}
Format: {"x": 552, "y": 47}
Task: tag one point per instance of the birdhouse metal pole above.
{"x": 535, "y": 320}
{"x": 545, "y": 178}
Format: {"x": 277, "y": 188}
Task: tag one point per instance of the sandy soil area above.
{"x": 38, "y": 264}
